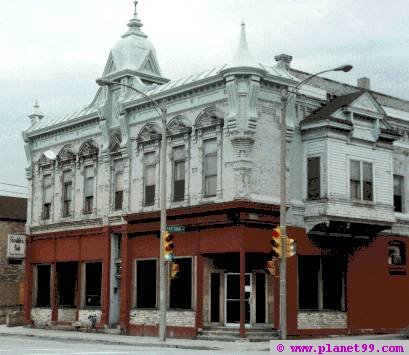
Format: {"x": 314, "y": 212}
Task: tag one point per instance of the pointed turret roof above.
{"x": 243, "y": 57}
{"x": 135, "y": 52}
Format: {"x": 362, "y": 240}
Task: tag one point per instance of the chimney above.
{"x": 283, "y": 61}
{"x": 364, "y": 83}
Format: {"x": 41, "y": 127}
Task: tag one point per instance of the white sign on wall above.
{"x": 16, "y": 246}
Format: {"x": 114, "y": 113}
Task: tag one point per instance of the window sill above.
{"x": 90, "y": 308}
{"x": 363, "y": 203}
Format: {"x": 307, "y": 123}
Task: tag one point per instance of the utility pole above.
{"x": 163, "y": 287}
{"x": 283, "y": 217}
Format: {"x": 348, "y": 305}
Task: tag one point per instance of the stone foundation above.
{"x": 6, "y": 310}
{"x": 173, "y": 318}
{"x": 67, "y": 314}
{"x": 85, "y": 313}
{"x": 322, "y": 320}
{"x": 41, "y": 317}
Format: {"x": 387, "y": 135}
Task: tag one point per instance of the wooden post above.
{"x": 242, "y": 294}
{"x": 199, "y": 291}
{"x": 106, "y": 268}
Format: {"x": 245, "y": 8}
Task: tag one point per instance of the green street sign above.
{"x": 176, "y": 229}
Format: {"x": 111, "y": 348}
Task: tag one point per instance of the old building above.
{"x": 13, "y": 211}
{"x": 93, "y": 214}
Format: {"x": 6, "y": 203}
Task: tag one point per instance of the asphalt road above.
{"x": 31, "y": 346}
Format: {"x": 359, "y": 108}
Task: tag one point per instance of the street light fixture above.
{"x": 162, "y": 266}
{"x": 285, "y": 94}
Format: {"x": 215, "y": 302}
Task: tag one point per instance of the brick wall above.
{"x": 321, "y": 320}
{"x": 10, "y": 275}
{"x": 173, "y": 318}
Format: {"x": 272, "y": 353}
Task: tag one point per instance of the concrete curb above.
{"x": 112, "y": 342}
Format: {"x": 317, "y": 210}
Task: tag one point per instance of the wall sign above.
{"x": 16, "y": 246}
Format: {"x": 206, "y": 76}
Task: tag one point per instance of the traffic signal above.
{"x": 276, "y": 242}
{"x": 168, "y": 246}
{"x": 271, "y": 267}
{"x": 291, "y": 248}
{"x": 174, "y": 270}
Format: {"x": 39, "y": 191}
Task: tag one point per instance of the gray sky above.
{"x": 54, "y": 50}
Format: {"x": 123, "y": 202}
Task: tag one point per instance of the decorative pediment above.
{"x": 88, "y": 149}
{"x": 66, "y": 154}
{"x": 44, "y": 161}
{"x": 209, "y": 117}
{"x": 178, "y": 125}
{"x": 367, "y": 103}
{"x": 150, "y": 65}
{"x": 149, "y": 132}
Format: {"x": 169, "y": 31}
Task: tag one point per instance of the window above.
{"x": 47, "y": 196}
{"x": 67, "y": 193}
{"x": 210, "y": 167}
{"x": 321, "y": 283}
{"x": 119, "y": 185}
{"x": 180, "y": 290}
{"x": 313, "y": 178}
{"x": 398, "y": 193}
{"x": 146, "y": 284}
{"x": 88, "y": 189}
{"x": 361, "y": 181}
{"x": 397, "y": 253}
{"x": 179, "y": 174}
{"x": 93, "y": 275}
{"x": 150, "y": 178}
{"x": 66, "y": 283}
{"x": 43, "y": 294}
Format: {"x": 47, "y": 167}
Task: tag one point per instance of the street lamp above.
{"x": 162, "y": 267}
{"x": 285, "y": 94}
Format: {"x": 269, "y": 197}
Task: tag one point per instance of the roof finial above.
{"x": 135, "y": 24}
{"x": 36, "y": 114}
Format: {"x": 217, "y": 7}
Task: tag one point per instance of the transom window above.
{"x": 361, "y": 180}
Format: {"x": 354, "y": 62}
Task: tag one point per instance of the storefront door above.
{"x": 232, "y": 299}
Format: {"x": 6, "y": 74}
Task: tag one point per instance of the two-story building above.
{"x": 93, "y": 215}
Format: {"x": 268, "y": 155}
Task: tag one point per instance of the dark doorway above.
{"x": 215, "y": 297}
{"x": 93, "y": 278}
{"x": 260, "y": 297}
{"x": 67, "y": 283}
{"x": 233, "y": 298}
{"x": 43, "y": 286}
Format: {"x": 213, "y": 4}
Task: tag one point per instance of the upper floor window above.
{"x": 47, "y": 196}
{"x": 67, "y": 193}
{"x": 398, "y": 193}
{"x": 361, "y": 180}
{"x": 210, "y": 167}
{"x": 88, "y": 189}
{"x": 397, "y": 253}
{"x": 313, "y": 178}
{"x": 150, "y": 179}
{"x": 118, "y": 181}
{"x": 179, "y": 174}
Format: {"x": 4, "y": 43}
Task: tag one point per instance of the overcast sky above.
{"x": 54, "y": 50}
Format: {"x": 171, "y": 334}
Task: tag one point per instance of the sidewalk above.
{"x": 102, "y": 338}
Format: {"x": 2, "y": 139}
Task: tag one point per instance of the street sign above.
{"x": 176, "y": 229}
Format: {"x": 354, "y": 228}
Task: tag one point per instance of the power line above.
{"x": 5, "y": 183}
{"x": 13, "y": 192}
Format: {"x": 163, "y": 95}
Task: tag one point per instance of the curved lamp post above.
{"x": 162, "y": 267}
{"x": 285, "y": 94}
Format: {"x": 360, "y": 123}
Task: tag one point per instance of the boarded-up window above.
{"x": 47, "y": 196}
{"x": 313, "y": 178}
{"x": 43, "y": 298}
{"x": 210, "y": 167}
{"x": 88, "y": 189}
{"x": 119, "y": 184}
{"x": 146, "y": 284}
{"x": 180, "y": 296}
{"x": 398, "y": 193}
{"x": 67, "y": 193}
{"x": 179, "y": 174}
{"x": 150, "y": 179}
{"x": 93, "y": 276}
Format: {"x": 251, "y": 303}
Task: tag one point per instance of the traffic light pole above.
{"x": 283, "y": 217}
{"x": 162, "y": 266}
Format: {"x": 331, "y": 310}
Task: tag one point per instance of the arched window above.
{"x": 397, "y": 253}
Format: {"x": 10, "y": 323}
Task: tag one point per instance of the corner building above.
{"x": 93, "y": 215}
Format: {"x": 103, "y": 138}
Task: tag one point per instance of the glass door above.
{"x": 232, "y": 299}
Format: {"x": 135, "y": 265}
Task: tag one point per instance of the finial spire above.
{"x": 135, "y": 24}
{"x": 243, "y": 57}
{"x": 36, "y": 114}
